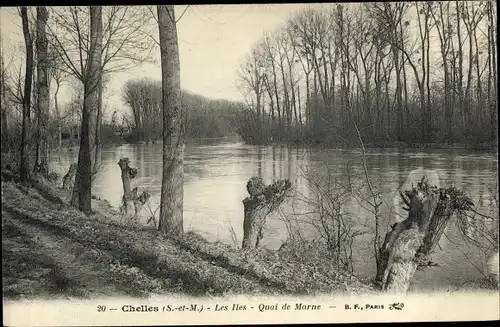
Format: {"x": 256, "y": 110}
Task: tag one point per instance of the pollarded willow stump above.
{"x": 407, "y": 246}
{"x": 68, "y": 179}
{"x": 262, "y": 201}
{"x": 131, "y": 201}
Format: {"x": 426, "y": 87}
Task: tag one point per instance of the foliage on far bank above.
{"x": 205, "y": 118}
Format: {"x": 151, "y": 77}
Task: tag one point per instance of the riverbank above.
{"x": 369, "y": 144}
{"x": 491, "y": 146}
{"x": 52, "y": 250}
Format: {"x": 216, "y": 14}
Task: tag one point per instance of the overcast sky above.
{"x": 213, "y": 39}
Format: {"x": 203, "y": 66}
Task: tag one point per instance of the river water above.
{"x": 216, "y": 173}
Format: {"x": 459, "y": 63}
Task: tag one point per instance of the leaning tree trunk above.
{"x": 68, "y": 179}
{"x": 410, "y": 241}
{"x": 172, "y": 185}
{"x": 132, "y": 202}
{"x": 262, "y": 201}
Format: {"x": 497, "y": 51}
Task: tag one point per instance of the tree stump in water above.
{"x": 132, "y": 202}
{"x": 69, "y": 178}
{"x": 410, "y": 241}
{"x": 262, "y": 201}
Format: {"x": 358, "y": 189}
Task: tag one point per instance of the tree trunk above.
{"x": 28, "y": 79}
{"x": 300, "y": 113}
{"x": 278, "y": 108}
{"x": 262, "y": 201}
{"x": 68, "y": 179}
{"x": 410, "y": 241}
{"x": 479, "y": 88}
{"x": 97, "y": 155}
{"x": 172, "y": 188}
{"x": 128, "y": 174}
{"x": 308, "y": 101}
{"x": 42, "y": 89}
{"x": 82, "y": 191}
{"x": 58, "y": 113}
{"x": 491, "y": 77}
{"x": 460, "y": 77}
{"x": 131, "y": 201}
{"x": 4, "y": 123}
{"x": 399, "y": 101}
{"x": 405, "y": 94}
{"x": 428, "y": 127}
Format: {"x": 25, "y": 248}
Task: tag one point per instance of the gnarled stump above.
{"x": 68, "y": 179}
{"x": 131, "y": 201}
{"x": 41, "y": 169}
{"x": 262, "y": 201}
{"x": 139, "y": 200}
{"x": 410, "y": 241}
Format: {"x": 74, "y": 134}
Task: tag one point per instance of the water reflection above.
{"x": 216, "y": 176}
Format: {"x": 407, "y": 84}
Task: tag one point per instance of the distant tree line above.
{"x": 413, "y": 72}
{"x": 205, "y": 118}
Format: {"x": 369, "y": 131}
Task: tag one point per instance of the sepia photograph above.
{"x": 249, "y": 163}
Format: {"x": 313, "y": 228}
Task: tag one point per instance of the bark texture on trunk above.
{"x": 97, "y": 156}
{"x": 42, "y": 89}
{"x": 262, "y": 201}
{"x": 82, "y": 191}
{"x": 69, "y": 178}
{"x": 24, "y": 168}
{"x": 172, "y": 188}
{"x": 407, "y": 245}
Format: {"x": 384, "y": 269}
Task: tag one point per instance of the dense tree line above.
{"x": 205, "y": 118}
{"x": 402, "y": 71}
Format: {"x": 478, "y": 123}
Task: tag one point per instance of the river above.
{"x": 216, "y": 174}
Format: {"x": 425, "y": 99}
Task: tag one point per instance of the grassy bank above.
{"x": 51, "y": 249}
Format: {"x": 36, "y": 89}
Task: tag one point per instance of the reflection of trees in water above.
{"x": 259, "y": 162}
{"x": 277, "y": 162}
{"x": 290, "y": 162}
{"x": 274, "y": 160}
{"x": 282, "y": 158}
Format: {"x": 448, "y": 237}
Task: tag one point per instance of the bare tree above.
{"x": 28, "y": 80}
{"x": 144, "y": 97}
{"x": 82, "y": 190}
{"x": 251, "y": 76}
{"x": 492, "y": 69}
{"x": 42, "y": 88}
{"x": 124, "y": 45}
{"x": 172, "y": 188}
{"x": 59, "y": 76}
{"x": 441, "y": 18}
{"x": 3, "y": 100}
